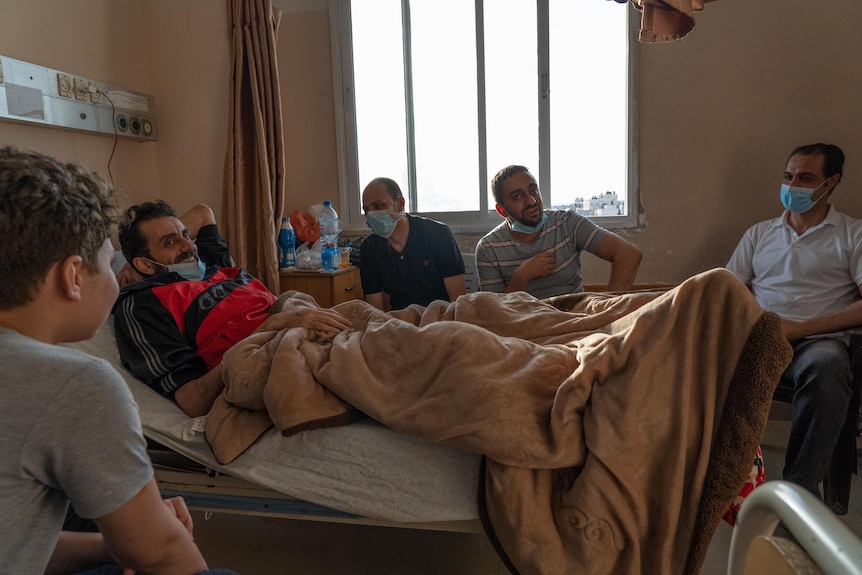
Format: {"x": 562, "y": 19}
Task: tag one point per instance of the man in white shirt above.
{"x": 806, "y": 266}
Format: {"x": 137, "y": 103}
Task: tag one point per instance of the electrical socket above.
{"x": 96, "y": 95}
{"x": 81, "y": 90}
{"x": 64, "y": 85}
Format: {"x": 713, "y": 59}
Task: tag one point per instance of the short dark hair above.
{"x": 49, "y": 210}
{"x": 132, "y": 241}
{"x": 502, "y": 176}
{"x": 833, "y": 157}
{"x": 391, "y": 187}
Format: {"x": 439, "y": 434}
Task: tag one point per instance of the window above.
{"x": 441, "y": 94}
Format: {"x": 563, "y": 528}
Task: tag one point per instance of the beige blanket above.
{"x": 616, "y": 432}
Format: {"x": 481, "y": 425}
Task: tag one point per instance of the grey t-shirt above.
{"x": 69, "y": 431}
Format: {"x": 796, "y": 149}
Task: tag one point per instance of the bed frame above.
{"x": 209, "y": 490}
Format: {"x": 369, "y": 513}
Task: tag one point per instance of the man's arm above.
{"x": 76, "y": 552}
{"x": 80, "y": 551}
{"x": 455, "y": 286}
{"x": 377, "y": 300}
{"x": 197, "y": 396}
{"x": 199, "y": 216}
{"x": 151, "y": 537}
{"x": 625, "y": 260}
{"x": 846, "y": 318}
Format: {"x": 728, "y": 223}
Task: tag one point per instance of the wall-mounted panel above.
{"x": 30, "y": 93}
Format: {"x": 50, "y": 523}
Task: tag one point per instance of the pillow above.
{"x": 118, "y": 262}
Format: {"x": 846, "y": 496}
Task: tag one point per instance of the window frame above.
{"x": 486, "y": 218}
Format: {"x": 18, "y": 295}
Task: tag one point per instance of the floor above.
{"x": 267, "y": 546}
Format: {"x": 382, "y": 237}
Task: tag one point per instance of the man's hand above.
{"x": 539, "y": 266}
{"x": 319, "y": 319}
{"x": 177, "y": 505}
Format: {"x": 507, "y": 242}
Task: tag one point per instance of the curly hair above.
{"x": 502, "y": 176}
{"x": 49, "y": 210}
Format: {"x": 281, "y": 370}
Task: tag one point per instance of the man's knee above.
{"x": 822, "y": 368}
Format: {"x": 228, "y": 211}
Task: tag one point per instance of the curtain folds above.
{"x": 253, "y": 194}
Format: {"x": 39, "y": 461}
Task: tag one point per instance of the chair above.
{"x": 836, "y": 484}
{"x": 822, "y": 542}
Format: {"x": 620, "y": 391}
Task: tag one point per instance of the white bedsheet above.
{"x": 363, "y": 468}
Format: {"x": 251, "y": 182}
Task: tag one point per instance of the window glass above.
{"x": 379, "y": 90}
{"x": 511, "y": 86}
{"x": 440, "y": 107}
{"x": 444, "y": 104}
{"x": 589, "y": 106}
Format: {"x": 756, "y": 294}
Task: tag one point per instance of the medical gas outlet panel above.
{"x": 38, "y": 95}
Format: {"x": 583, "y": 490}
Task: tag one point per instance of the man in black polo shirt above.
{"x": 410, "y": 259}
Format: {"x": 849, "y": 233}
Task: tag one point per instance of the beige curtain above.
{"x": 253, "y": 197}
{"x": 666, "y": 20}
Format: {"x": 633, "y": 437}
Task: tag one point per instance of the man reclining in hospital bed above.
{"x": 174, "y": 325}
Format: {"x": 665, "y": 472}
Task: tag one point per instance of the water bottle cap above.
{"x": 285, "y": 219}
{"x": 327, "y": 203}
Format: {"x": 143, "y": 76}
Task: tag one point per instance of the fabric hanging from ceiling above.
{"x": 666, "y": 20}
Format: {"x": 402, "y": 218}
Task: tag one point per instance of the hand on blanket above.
{"x": 320, "y": 319}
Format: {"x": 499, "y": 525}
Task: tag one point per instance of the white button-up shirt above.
{"x": 801, "y": 277}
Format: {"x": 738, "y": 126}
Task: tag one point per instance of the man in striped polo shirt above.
{"x": 539, "y": 251}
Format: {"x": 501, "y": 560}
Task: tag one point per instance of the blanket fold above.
{"x": 616, "y": 428}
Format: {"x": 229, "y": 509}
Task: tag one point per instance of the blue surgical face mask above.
{"x": 525, "y": 229}
{"x": 381, "y": 222}
{"x": 798, "y": 199}
{"x": 193, "y": 270}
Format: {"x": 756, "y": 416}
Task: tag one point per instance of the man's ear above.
{"x": 143, "y": 265}
{"x": 399, "y": 204}
{"x": 501, "y": 211}
{"x": 70, "y": 276}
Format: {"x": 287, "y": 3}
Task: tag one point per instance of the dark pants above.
{"x": 820, "y": 374}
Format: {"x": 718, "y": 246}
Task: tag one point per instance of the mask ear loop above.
{"x": 825, "y": 193}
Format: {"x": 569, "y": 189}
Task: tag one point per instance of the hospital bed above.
{"x": 363, "y": 473}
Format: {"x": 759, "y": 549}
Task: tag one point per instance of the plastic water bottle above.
{"x": 330, "y": 260}
{"x": 286, "y": 245}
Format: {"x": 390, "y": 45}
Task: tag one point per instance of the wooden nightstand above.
{"x": 327, "y": 288}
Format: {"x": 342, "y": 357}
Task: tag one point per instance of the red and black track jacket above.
{"x": 171, "y": 330}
